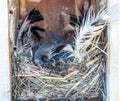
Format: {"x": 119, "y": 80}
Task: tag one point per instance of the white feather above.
{"x": 90, "y": 25}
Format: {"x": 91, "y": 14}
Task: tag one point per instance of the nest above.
{"x": 71, "y": 78}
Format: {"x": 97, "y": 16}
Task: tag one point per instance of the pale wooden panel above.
{"x": 4, "y": 59}
{"x": 113, "y": 79}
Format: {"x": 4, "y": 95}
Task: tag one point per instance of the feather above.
{"x": 38, "y": 36}
{"x": 58, "y": 48}
{"x": 75, "y": 20}
{"x": 91, "y": 26}
{"x": 33, "y": 16}
{"x": 54, "y": 37}
{"x": 38, "y": 28}
{"x": 88, "y": 27}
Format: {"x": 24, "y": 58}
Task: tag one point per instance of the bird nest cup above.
{"x": 53, "y": 66}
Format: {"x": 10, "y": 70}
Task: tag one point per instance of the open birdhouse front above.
{"x": 58, "y": 50}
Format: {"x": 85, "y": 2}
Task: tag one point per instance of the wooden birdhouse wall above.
{"x": 50, "y": 9}
{"x": 15, "y": 13}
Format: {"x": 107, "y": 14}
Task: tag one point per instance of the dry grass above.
{"x": 86, "y": 81}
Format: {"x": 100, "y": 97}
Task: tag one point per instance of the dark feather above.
{"x": 59, "y": 48}
{"x": 38, "y": 28}
{"x": 37, "y": 35}
{"x": 35, "y": 16}
{"x": 75, "y": 20}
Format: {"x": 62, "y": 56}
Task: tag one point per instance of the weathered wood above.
{"x": 13, "y": 19}
{"x": 13, "y": 16}
{"x": 113, "y": 70}
{"x": 22, "y": 9}
{"x": 4, "y": 55}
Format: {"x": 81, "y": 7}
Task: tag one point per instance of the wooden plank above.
{"x": 113, "y": 75}
{"x": 4, "y": 60}
{"x": 13, "y": 16}
{"x": 22, "y": 8}
{"x": 13, "y": 19}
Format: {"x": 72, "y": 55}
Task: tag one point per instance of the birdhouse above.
{"x": 63, "y": 50}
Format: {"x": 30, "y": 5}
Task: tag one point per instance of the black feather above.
{"x": 37, "y": 35}
{"x": 38, "y": 28}
{"x": 35, "y": 16}
{"x": 59, "y": 48}
{"x": 74, "y": 20}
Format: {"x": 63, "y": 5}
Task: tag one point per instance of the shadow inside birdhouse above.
{"x": 59, "y": 52}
